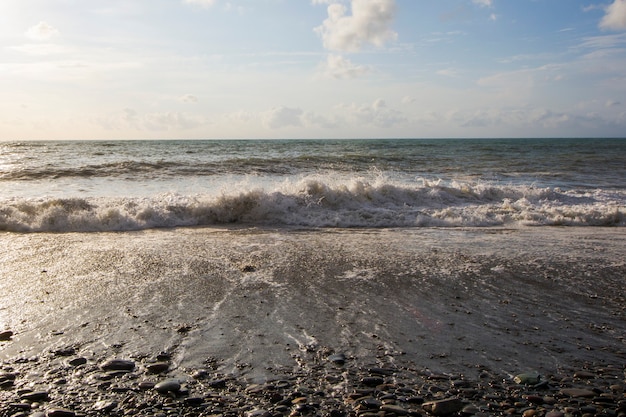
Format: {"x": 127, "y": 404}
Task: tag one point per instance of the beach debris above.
{"x": 6, "y": 335}
{"x": 527, "y": 378}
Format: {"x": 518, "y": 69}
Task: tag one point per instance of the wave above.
{"x": 315, "y": 203}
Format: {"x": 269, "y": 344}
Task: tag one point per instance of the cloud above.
{"x": 280, "y": 117}
{"x": 483, "y": 3}
{"x": 41, "y": 32}
{"x": 370, "y": 23}
{"x": 615, "y": 17}
{"x": 158, "y": 121}
{"x": 188, "y": 98}
{"x": 202, "y": 3}
{"x": 336, "y": 66}
{"x": 376, "y": 113}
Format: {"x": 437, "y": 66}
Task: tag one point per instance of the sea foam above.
{"x": 313, "y": 202}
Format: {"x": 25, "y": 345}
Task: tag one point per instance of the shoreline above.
{"x": 255, "y": 315}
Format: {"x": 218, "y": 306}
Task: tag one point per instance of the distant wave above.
{"x": 315, "y": 203}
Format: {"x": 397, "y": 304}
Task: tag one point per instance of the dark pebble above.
{"x": 372, "y": 381}
{"x": 60, "y": 412}
{"x": 77, "y": 361}
{"x": 157, "y": 368}
{"x": 118, "y": 365}
{"x": 6, "y": 335}
{"x": 35, "y": 396}
{"x": 169, "y": 385}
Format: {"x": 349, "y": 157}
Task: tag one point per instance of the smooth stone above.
{"x": 60, "y": 412}
{"x": 470, "y": 409}
{"x": 584, "y": 375}
{"x": 6, "y": 335}
{"x": 372, "y": 381}
{"x": 258, "y": 413}
{"x": 157, "y": 368}
{"x": 527, "y": 378}
{"x": 105, "y": 405}
{"x": 534, "y": 399}
{"x": 443, "y": 407}
{"x": 146, "y": 385}
{"x": 555, "y": 413}
{"x": 338, "y": 358}
{"x": 396, "y": 409}
{"x": 118, "y": 365}
{"x": 35, "y": 396}
{"x": 170, "y": 385}
{"x": 78, "y": 361}
{"x": 578, "y": 392}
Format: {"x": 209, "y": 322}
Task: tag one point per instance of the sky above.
{"x": 220, "y": 69}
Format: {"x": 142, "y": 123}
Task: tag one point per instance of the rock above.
{"x": 77, "y": 361}
{"x": 60, "y": 412}
{"x": 105, "y": 406}
{"x": 396, "y": 409}
{"x": 555, "y": 413}
{"x": 35, "y": 396}
{"x": 169, "y": 385}
{"x": 6, "y": 335}
{"x": 527, "y": 378}
{"x": 578, "y": 392}
{"x": 470, "y": 410}
{"x": 118, "y": 365}
{"x": 257, "y": 413}
{"x": 534, "y": 399}
{"x": 443, "y": 407}
{"x": 158, "y": 367}
{"x": 372, "y": 381}
{"x": 584, "y": 375}
{"x": 338, "y": 359}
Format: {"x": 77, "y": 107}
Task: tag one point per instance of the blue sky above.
{"x": 119, "y": 69}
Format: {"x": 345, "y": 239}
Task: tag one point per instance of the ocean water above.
{"x": 67, "y": 186}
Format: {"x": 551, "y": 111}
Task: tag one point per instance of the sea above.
{"x": 88, "y": 186}
{"x": 260, "y": 258}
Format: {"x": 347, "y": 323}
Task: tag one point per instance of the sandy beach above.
{"x": 259, "y": 305}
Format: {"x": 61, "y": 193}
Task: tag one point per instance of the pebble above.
{"x": 319, "y": 389}
{"x": 167, "y": 386}
{"x": 60, "y": 412}
{"x": 118, "y": 365}
{"x": 6, "y": 335}
{"x": 578, "y": 392}
{"x": 443, "y": 407}
{"x": 158, "y": 367}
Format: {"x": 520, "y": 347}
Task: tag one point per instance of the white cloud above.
{"x": 280, "y": 117}
{"x": 336, "y": 66}
{"x": 370, "y": 23}
{"x": 42, "y": 31}
{"x": 158, "y": 121}
{"x": 188, "y": 98}
{"x": 615, "y": 17}
{"x": 202, "y": 3}
{"x": 483, "y": 3}
{"x": 376, "y": 113}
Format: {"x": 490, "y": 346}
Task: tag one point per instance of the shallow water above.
{"x": 253, "y": 301}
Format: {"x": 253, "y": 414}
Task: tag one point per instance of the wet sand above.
{"x": 259, "y": 305}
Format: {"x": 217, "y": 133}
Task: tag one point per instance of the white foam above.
{"x": 324, "y": 202}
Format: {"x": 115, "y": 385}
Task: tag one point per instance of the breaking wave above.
{"x": 315, "y": 203}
